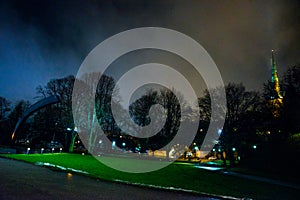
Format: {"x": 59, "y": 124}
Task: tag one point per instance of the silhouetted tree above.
{"x": 291, "y": 100}
{"x": 4, "y": 110}
{"x": 241, "y": 117}
{"x": 89, "y": 115}
{"x": 169, "y": 100}
{"x": 139, "y": 112}
{"x": 51, "y": 122}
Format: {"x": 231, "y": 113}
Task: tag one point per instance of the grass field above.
{"x": 175, "y": 175}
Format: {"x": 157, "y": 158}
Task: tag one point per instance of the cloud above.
{"x": 239, "y": 35}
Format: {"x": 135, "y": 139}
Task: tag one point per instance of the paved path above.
{"x": 19, "y": 180}
{"x": 262, "y": 179}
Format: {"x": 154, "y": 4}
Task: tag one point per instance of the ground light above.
{"x": 69, "y": 175}
{"x": 28, "y": 149}
{"x": 209, "y": 168}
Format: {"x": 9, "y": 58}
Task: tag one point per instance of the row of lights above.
{"x": 42, "y": 150}
{"x": 114, "y": 144}
{"x": 60, "y": 149}
{"x": 234, "y": 149}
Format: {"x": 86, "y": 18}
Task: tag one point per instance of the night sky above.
{"x": 41, "y": 40}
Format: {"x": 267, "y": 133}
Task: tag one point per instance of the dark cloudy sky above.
{"x": 41, "y": 40}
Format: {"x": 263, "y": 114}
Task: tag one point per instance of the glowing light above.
{"x": 219, "y": 131}
{"x": 254, "y": 146}
{"x": 69, "y": 175}
{"x": 13, "y": 136}
{"x": 209, "y": 168}
{"x": 233, "y": 149}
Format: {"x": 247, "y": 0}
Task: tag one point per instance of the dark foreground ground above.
{"x": 21, "y": 180}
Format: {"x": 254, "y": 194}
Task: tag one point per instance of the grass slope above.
{"x": 175, "y": 175}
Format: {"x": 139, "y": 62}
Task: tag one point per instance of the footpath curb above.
{"x": 83, "y": 173}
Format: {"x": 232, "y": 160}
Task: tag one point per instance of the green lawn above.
{"x": 175, "y": 175}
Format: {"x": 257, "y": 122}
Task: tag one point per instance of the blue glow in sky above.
{"x": 42, "y": 40}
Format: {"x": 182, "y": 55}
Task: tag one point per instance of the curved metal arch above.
{"x": 33, "y": 108}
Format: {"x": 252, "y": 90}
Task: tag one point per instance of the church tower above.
{"x": 276, "y": 99}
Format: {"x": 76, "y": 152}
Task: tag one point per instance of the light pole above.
{"x": 73, "y": 137}
{"x": 53, "y": 138}
{"x": 28, "y": 149}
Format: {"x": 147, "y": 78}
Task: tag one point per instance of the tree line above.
{"x": 249, "y": 120}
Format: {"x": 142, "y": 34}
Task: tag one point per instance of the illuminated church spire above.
{"x": 276, "y": 97}
{"x": 275, "y": 80}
